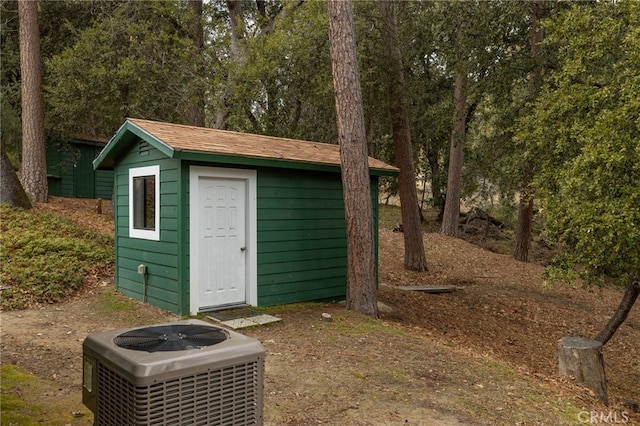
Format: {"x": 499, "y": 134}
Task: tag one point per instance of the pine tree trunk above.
{"x": 414, "y": 257}
{"x": 456, "y": 160}
{"x": 34, "y": 165}
{"x": 361, "y": 295}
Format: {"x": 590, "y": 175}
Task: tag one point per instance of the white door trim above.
{"x": 250, "y": 176}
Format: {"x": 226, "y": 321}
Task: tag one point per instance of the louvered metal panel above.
{"x": 218, "y": 385}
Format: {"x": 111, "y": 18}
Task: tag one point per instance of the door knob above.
{"x": 243, "y": 248}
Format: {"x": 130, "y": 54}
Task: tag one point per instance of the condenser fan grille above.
{"x": 174, "y": 337}
{"x": 228, "y": 396}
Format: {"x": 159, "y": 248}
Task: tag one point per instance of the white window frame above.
{"x": 146, "y": 234}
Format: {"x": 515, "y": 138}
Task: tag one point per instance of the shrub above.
{"x": 44, "y": 257}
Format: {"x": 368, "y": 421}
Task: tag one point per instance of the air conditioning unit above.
{"x": 183, "y": 373}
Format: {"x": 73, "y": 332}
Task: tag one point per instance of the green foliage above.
{"x": 586, "y": 128}
{"x": 493, "y": 162}
{"x": 505, "y": 210}
{"x": 60, "y": 24}
{"x": 10, "y": 125}
{"x": 490, "y": 41}
{"x": 285, "y": 78}
{"x": 137, "y": 61}
{"x": 44, "y": 258}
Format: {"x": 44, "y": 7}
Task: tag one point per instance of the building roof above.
{"x": 199, "y": 143}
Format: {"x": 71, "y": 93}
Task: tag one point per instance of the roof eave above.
{"x": 120, "y": 142}
{"x": 384, "y": 172}
{"x": 271, "y": 162}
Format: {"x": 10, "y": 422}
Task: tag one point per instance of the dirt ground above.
{"x": 485, "y": 354}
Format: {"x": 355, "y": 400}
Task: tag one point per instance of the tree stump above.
{"x": 582, "y": 358}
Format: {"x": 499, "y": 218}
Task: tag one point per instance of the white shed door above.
{"x": 221, "y": 241}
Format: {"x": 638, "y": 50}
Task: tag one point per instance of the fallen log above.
{"x": 479, "y": 214}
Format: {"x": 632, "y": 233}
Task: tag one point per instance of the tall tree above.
{"x": 524, "y": 224}
{"x": 414, "y": 257}
{"x": 289, "y": 76}
{"x": 237, "y": 58}
{"x": 196, "y": 104}
{"x": 429, "y": 95}
{"x": 463, "y": 56}
{"x": 134, "y": 60}
{"x": 249, "y": 25}
{"x": 586, "y": 131}
{"x": 60, "y": 24}
{"x": 361, "y": 294}
{"x": 456, "y": 158}
{"x": 33, "y": 174}
{"x": 480, "y": 44}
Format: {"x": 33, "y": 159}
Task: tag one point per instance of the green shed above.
{"x": 70, "y": 170}
{"x": 207, "y": 219}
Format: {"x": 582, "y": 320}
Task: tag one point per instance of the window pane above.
{"x": 144, "y": 202}
{"x": 138, "y": 202}
{"x": 150, "y": 202}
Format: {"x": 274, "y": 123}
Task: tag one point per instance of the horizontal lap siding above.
{"x": 60, "y": 165}
{"x": 54, "y": 170}
{"x": 104, "y": 184}
{"x": 160, "y": 257}
{"x": 70, "y": 172}
{"x": 302, "y": 246}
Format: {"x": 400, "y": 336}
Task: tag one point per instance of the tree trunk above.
{"x": 195, "y": 111}
{"x": 436, "y": 182}
{"x": 537, "y": 36}
{"x": 523, "y": 228}
{"x": 238, "y": 57}
{"x": 525, "y": 207}
{"x": 582, "y": 358}
{"x": 627, "y": 302}
{"x": 361, "y": 294}
{"x": 236, "y": 19}
{"x": 414, "y": 257}
{"x": 34, "y": 164}
{"x": 456, "y": 160}
{"x": 11, "y": 190}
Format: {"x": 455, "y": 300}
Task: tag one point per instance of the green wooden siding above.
{"x": 161, "y": 258}
{"x": 302, "y": 247}
{"x": 60, "y": 172}
{"x": 104, "y": 184}
{"x": 84, "y": 177}
{"x": 301, "y": 235}
{"x": 70, "y": 171}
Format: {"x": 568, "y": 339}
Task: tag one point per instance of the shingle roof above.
{"x": 180, "y": 137}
